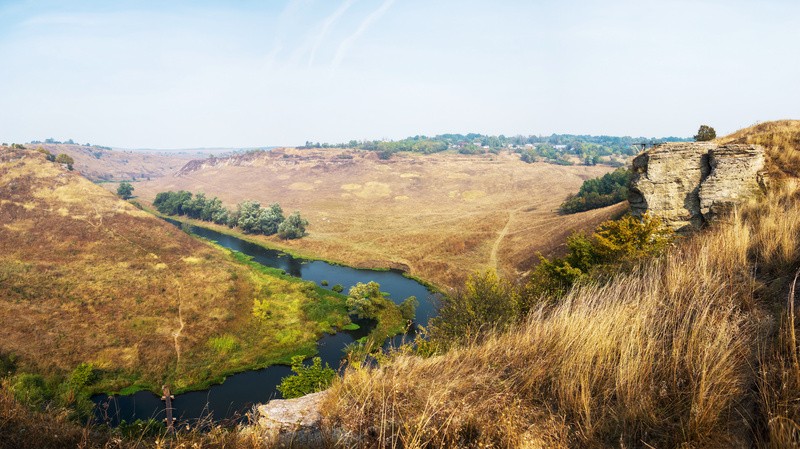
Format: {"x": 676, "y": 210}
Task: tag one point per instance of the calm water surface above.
{"x": 235, "y": 396}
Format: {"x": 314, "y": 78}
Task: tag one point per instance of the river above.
{"x": 236, "y": 395}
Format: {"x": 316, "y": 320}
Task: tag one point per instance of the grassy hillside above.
{"x": 88, "y": 278}
{"x": 697, "y": 348}
{"x": 103, "y": 164}
{"x": 439, "y": 216}
{"x": 782, "y": 140}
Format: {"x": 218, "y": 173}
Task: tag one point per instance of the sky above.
{"x": 189, "y": 74}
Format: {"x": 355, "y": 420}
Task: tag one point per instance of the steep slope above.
{"x": 697, "y": 348}
{"x": 86, "y": 277}
{"x": 781, "y": 139}
{"x": 103, "y": 164}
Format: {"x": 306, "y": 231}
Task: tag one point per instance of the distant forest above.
{"x": 556, "y": 148}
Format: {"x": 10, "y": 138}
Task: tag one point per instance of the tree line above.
{"x": 249, "y": 216}
{"x": 595, "y": 193}
{"x": 555, "y": 148}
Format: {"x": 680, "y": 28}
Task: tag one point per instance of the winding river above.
{"x": 236, "y": 395}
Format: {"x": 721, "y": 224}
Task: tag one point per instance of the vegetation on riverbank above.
{"x": 248, "y": 216}
{"x": 694, "y": 348}
{"x": 73, "y": 264}
{"x": 278, "y": 245}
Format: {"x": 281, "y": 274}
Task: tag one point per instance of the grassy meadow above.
{"x": 88, "y": 278}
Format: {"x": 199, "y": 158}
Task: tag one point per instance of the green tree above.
{"x": 705, "y": 133}
{"x": 364, "y": 300}
{"x": 408, "y": 308}
{"x": 125, "y": 190}
{"x": 307, "y": 379}
{"x": 609, "y": 189}
{"x": 293, "y": 227}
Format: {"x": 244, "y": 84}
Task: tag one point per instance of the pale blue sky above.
{"x": 177, "y": 74}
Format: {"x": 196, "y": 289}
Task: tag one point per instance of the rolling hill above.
{"x": 88, "y": 278}
{"x": 439, "y": 217}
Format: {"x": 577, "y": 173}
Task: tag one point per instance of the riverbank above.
{"x": 439, "y": 217}
{"x": 259, "y": 384}
{"x": 273, "y": 243}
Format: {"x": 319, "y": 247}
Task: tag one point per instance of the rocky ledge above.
{"x": 292, "y": 422}
{"x": 690, "y": 184}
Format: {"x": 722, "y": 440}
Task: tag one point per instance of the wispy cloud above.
{"x": 284, "y": 24}
{"x": 348, "y": 42}
{"x": 326, "y": 26}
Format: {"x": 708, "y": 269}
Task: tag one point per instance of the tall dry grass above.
{"x": 781, "y": 138}
{"x": 672, "y": 354}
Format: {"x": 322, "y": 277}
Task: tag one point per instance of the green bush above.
{"x": 705, "y": 133}
{"x": 408, "y": 308}
{"x": 338, "y": 288}
{"x": 488, "y": 302}
{"x": 485, "y": 302}
{"x": 307, "y": 379}
{"x": 30, "y": 389}
{"x": 64, "y": 159}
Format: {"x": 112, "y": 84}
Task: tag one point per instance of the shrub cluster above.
{"x": 307, "y": 379}
{"x": 248, "y": 216}
{"x": 595, "y": 193}
{"x": 488, "y": 302}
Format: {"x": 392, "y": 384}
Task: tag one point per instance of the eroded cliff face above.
{"x": 689, "y": 184}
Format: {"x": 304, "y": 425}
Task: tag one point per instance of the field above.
{"x": 86, "y": 277}
{"x": 440, "y": 217}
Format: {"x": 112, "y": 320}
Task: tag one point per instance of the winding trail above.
{"x": 177, "y": 334}
{"x": 500, "y": 236}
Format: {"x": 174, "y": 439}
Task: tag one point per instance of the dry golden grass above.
{"x": 440, "y": 216}
{"x": 86, "y": 277}
{"x": 681, "y": 352}
{"x": 99, "y": 164}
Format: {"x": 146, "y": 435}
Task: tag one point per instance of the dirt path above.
{"x": 500, "y": 236}
{"x": 177, "y": 334}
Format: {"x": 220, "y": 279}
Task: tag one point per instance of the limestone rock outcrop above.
{"x": 293, "y": 422}
{"x": 689, "y": 184}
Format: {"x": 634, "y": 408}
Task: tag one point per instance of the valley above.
{"x": 438, "y": 217}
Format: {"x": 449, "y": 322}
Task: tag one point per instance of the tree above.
{"x": 705, "y": 133}
{"x": 364, "y": 300}
{"x": 293, "y": 227}
{"x": 125, "y": 190}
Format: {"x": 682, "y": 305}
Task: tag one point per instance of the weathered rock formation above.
{"x": 293, "y": 422}
{"x": 688, "y": 184}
